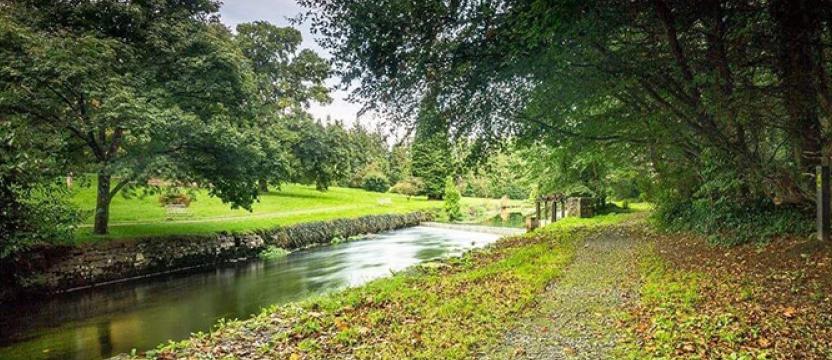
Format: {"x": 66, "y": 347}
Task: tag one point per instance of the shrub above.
{"x": 375, "y": 181}
{"x": 40, "y": 214}
{"x": 730, "y": 223}
{"x": 723, "y": 208}
{"x": 409, "y": 187}
{"x": 452, "y": 198}
{"x": 273, "y": 252}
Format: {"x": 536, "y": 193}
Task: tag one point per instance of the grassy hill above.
{"x": 143, "y": 216}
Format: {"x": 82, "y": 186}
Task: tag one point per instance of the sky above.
{"x": 278, "y": 12}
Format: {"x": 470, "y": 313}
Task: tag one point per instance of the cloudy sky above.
{"x": 278, "y": 12}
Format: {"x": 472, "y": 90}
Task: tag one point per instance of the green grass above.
{"x": 144, "y": 216}
{"x": 450, "y": 311}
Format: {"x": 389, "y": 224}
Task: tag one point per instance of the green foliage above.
{"x": 409, "y": 187}
{"x": 594, "y": 83}
{"x": 729, "y": 223}
{"x": 726, "y": 210}
{"x": 272, "y": 252}
{"x": 375, "y": 181}
{"x": 287, "y": 79}
{"x": 431, "y": 159}
{"x": 318, "y": 155}
{"x": 502, "y": 173}
{"x": 36, "y": 214}
{"x": 35, "y": 206}
{"x": 452, "y": 198}
{"x": 135, "y": 98}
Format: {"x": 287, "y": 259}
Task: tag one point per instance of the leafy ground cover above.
{"x": 450, "y": 309}
{"x": 145, "y": 216}
{"x": 746, "y": 302}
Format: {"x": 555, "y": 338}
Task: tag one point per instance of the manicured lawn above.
{"x": 144, "y": 216}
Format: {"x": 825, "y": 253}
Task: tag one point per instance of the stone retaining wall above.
{"x": 49, "y": 269}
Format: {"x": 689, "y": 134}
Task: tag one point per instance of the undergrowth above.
{"x": 731, "y": 223}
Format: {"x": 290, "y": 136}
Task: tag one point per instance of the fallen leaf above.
{"x": 764, "y": 343}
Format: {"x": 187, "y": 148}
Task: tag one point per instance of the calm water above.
{"x": 514, "y": 219}
{"x": 114, "y": 319}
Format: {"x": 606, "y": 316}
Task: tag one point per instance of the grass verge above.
{"x": 449, "y": 310}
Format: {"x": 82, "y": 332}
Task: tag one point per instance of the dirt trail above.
{"x": 575, "y": 317}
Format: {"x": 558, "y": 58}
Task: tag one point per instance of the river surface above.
{"x": 105, "y": 321}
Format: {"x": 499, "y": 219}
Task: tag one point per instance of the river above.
{"x": 105, "y": 321}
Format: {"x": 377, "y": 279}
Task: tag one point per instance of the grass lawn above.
{"x": 144, "y": 216}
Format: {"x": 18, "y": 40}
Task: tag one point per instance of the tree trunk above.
{"x": 263, "y": 185}
{"x": 798, "y": 31}
{"x": 102, "y": 205}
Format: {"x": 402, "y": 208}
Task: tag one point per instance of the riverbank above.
{"x": 447, "y": 309}
{"x": 54, "y": 268}
{"x": 138, "y": 216}
{"x": 606, "y": 287}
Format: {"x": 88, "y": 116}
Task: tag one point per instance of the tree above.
{"x": 452, "y": 198}
{"x": 431, "y": 158}
{"x": 162, "y": 92}
{"x": 319, "y": 156}
{"x": 666, "y": 82}
{"x": 367, "y": 153}
{"x": 400, "y": 166}
{"x": 287, "y": 81}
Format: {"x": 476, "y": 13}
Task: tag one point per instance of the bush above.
{"x": 729, "y": 223}
{"x": 409, "y": 187}
{"x": 723, "y": 208}
{"x": 42, "y": 214}
{"x": 452, "y": 198}
{"x": 273, "y": 252}
{"x": 375, "y": 181}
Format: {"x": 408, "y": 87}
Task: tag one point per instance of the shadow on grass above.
{"x": 281, "y": 194}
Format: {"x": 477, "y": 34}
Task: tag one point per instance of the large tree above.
{"x": 141, "y": 88}
{"x": 739, "y": 87}
{"x": 288, "y": 79}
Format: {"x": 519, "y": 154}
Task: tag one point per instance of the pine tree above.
{"x": 431, "y": 153}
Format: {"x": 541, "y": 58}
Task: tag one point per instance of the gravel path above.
{"x": 575, "y": 317}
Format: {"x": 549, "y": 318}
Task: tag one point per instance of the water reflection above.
{"x": 105, "y": 321}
